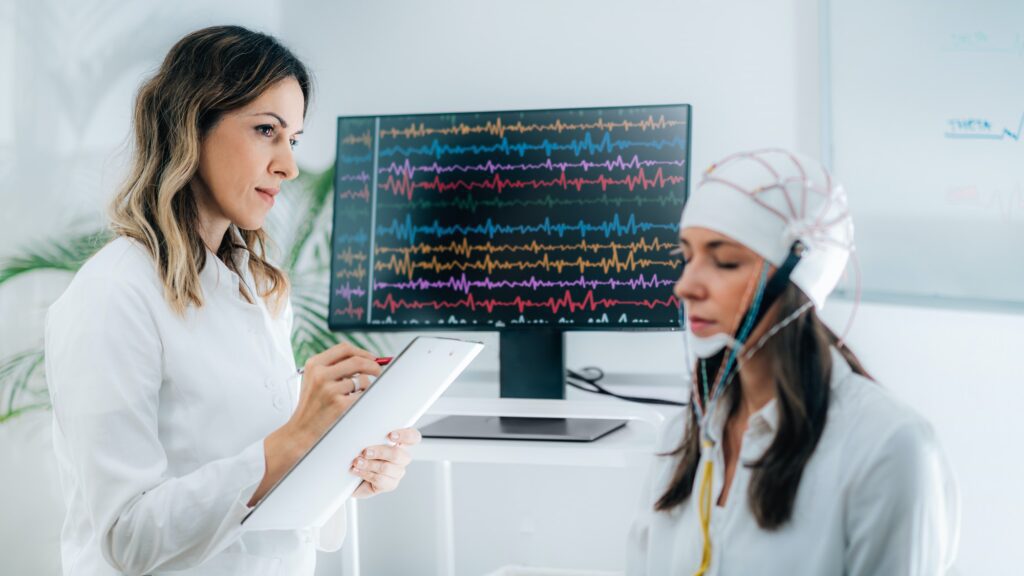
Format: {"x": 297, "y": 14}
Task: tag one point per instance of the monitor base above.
{"x": 521, "y": 428}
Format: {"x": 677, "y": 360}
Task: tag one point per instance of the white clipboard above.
{"x": 320, "y": 482}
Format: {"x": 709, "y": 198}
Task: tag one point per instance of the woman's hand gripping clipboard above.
{"x": 320, "y": 482}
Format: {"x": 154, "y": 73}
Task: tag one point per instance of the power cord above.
{"x": 589, "y": 383}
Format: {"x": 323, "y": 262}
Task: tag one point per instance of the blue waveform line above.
{"x": 408, "y": 231}
{"x": 346, "y": 159}
{"x": 1006, "y": 133}
{"x": 359, "y": 237}
{"x": 606, "y": 144}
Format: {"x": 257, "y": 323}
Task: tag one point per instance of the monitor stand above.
{"x": 532, "y": 365}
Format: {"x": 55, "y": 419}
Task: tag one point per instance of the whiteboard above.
{"x": 926, "y": 127}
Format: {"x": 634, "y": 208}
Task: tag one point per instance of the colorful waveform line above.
{"x": 361, "y": 159}
{"x": 605, "y": 144}
{"x": 407, "y": 168}
{"x": 357, "y": 237}
{"x": 356, "y": 194}
{"x": 347, "y": 291}
{"x": 464, "y": 284}
{"x": 350, "y": 256}
{"x": 364, "y": 139}
{"x": 361, "y": 176}
{"x": 472, "y": 204}
{"x": 355, "y": 274}
{"x": 351, "y": 311}
{"x": 499, "y": 127}
{"x": 406, "y": 187}
{"x": 588, "y": 302}
{"x": 406, "y": 230}
{"x": 408, "y": 267}
{"x": 466, "y": 249}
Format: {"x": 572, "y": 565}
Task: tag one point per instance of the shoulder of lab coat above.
{"x": 902, "y": 503}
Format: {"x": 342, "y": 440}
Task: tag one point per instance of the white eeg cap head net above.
{"x": 767, "y": 200}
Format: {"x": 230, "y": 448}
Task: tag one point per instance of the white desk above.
{"x": 626, "y": 447}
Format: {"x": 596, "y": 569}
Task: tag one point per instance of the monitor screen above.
{"x": 502, "y": 220}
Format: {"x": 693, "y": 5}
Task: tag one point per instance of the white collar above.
{"x": 768, "y": 415}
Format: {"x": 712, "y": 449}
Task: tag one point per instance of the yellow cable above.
{"x": 704, "y": 509}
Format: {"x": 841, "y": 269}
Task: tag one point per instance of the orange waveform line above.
{"x": 499, "y": 128}
{"x": 350, "y": 256}
{"x": 408, "y": 267}
{"x": 365, "y": 139}
{"x": 358, "y": 273}
{"x": 360, "y": 193}
{"x": 465, "y": 249}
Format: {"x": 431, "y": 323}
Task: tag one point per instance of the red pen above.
{"x": 382, "y": 361}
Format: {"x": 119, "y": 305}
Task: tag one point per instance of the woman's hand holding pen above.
{"x": 331, "y": 382}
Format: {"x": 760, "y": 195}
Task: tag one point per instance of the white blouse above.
{"x": 876, "y": 497}
{"x": 159, "y": 422}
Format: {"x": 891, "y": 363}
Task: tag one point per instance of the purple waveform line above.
{"x": 361, "y": 177}
{"x": 408, "y": 170}
{"x": 463, "y": 284}
{"x": 347, "y": 292}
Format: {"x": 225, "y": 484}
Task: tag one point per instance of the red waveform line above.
{"x": 350, "y": 256}
{"x": 365, "y": 139}
{"x": 499, "y": 128}
{"x": 589, "y": 302}
{"x": 405, "y": 187}
{"x": 351, "y": 311}
{"x": 406, "y": 266}
{"x": 360, "y": 193}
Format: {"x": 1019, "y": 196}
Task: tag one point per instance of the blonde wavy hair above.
{"x": 206, "y": 74}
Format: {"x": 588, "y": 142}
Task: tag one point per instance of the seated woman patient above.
{"x": 789, "y": 460}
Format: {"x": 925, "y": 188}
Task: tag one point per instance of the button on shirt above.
{"x": 876, "y": 497}
{"x": 159, "y": 421}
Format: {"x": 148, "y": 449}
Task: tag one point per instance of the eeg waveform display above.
{"x": 501, "y": 220}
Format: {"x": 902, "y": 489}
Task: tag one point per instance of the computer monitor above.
{"x": 528, "y": 222}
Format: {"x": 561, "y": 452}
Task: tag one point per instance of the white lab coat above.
{"x": 159, "y": 422}
{"x": 877, "y": 497}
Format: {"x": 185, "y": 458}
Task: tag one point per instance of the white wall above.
{"x": 749, "y": 67}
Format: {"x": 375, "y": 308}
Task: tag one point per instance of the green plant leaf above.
{"x": 65, "y": 254}
{"x": 318, "y": 192}
{"x": 16, "y": 373}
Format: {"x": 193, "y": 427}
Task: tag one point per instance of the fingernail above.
{"x": 369, "y": 453}
{"x": 360, "y": 463}
{"x": 393, "y": 436}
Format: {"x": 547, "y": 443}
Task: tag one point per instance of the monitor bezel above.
{"x": 367, "y": 327}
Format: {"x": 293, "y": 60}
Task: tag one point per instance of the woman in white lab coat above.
{"x": 790, "y": 459}
{"x": 177, "y": 403}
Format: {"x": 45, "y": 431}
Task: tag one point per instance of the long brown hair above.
{"x": 802, "y": 364}
{"x": 206, "y": 74}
